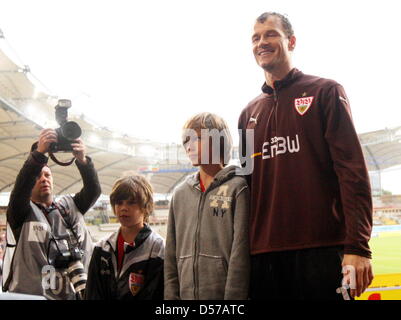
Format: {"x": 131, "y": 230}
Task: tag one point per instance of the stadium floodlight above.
{"x": 93, "y": 138}
{"x": 30, "y": 111}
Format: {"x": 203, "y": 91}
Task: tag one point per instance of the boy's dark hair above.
{"x": 287, "y": 27}
{"x": 210, "y": 121}
{"x": 135, "y": 188}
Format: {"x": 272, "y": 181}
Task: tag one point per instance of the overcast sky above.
{"x": 143, "y": 68}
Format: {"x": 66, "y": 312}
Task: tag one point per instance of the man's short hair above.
{"x": 287, "y": 27}
{"x": 210, "y": 121}
{"x": 133, "y": 188}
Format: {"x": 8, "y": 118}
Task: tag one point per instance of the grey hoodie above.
{"x": 207, "y": 251}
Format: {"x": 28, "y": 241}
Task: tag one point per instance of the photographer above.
{"x": 44, "y": 237}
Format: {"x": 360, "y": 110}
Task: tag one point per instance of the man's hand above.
{"x": 78, "y": 150}
{"x": 360, "y": 273}
{"x": 46, "y": 137}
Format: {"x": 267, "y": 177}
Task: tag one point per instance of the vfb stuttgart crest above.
{"x": 136, "y": 282}
{"x": 303, "y": 104}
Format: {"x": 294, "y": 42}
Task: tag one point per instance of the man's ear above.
{"x": 291, "y": 43}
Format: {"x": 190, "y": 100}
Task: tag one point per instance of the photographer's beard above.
{"x": 44, "y": 197}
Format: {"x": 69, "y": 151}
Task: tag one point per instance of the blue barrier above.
{"x": 387, "y": 228}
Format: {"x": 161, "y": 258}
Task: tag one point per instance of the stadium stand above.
{"x": 25, "y": 110}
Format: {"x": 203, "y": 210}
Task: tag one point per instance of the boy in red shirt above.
{"x": 128, "y": 265}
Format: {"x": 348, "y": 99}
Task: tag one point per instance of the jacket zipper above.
{"x": 275, "y": 108}
{"x": 273, "y": 112}
{"x": 196, "y": 248}
{"x": 115, "y": 254}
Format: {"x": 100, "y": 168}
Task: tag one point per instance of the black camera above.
{"x": 64, "y": 259}
{"x": 71, "y": 260}
{"x": 68, "y": 131}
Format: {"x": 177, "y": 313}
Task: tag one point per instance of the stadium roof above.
{"x": 25, "y": 110}
{"x": 382, "y": 148}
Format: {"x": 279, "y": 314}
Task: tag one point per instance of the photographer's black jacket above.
{"x": 141, "y": 275}
{"x": 27, "y": 265}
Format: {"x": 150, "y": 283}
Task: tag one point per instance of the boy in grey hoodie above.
{"x": 207, "y": 251}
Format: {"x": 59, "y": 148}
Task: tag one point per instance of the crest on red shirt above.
{"x": 136, "y": 282}
{"x": 303, "y": 104}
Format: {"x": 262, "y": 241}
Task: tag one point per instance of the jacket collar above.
{"x": 293, "y": 75}
{"x": 44, "y": 209}
{"x": 139, "y": 239}
{"x": 223, "y": 175}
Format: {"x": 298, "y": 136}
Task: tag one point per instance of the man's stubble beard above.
{"x": 268, "y": 68}
{"x": 45, "y": 197}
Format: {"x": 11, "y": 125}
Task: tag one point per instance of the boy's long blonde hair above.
{"x": 210, "y": 121}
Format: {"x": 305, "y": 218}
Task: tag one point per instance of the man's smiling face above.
{"x": 271, "y": 46}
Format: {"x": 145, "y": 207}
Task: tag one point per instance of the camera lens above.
{"x": 71, "y": 130}
{"x": 77, "y": 276}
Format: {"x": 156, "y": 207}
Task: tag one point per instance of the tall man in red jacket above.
{"x": 311, "y": 208}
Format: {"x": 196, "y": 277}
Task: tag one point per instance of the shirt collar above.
{"x": 139, "y": 239}
{"x": 287, "y": 80}
{"x": 44, "y": 209}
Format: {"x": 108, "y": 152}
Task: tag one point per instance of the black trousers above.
{"x": 308, "y": 274}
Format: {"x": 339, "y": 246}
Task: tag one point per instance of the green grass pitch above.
{"x": 386, "y": 254}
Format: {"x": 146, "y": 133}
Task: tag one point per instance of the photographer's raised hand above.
{"x": 78, "y": 148}
{"x": 46, "y": 137}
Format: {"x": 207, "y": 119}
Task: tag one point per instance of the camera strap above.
{"x": 63, "y": 164}
{"x": 64, "y": 216}
{"x": 9, "y": 254}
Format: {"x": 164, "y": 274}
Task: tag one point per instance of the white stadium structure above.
{"x": 25, "y": 110}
